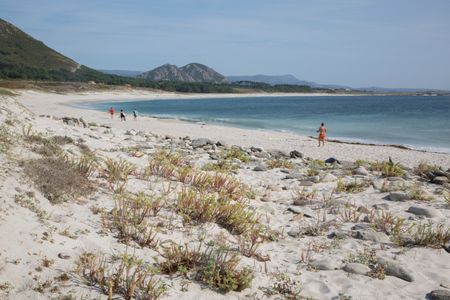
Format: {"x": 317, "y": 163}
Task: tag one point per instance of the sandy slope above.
{"x": 40, "y": 241}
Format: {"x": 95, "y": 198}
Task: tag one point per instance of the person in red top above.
{"x": 322, "y": 134}
{"x": 111, "y": 112}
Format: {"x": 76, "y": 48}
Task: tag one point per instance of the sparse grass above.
{"x": 417, "y": 193}
{"x": 117, "y": 172}
{"x": 368, "y": 257}
{"x": 350, "y": 214}
{"x": 446, "y": 196}
{"x": 201, "y": 207}
{"x": 388, "y": 168}
{"x": 30, "y": 135}
{"x": 428, "y": 235}
{"x": 235, "y": 152}
{"x": 217, "y": 268}
{"x": 6, "y": 138}
{"x": 222, "y": 166}
{"x": 280, "y": 163}
{"x": 57, "y": 179}
{"x": 287, "y": 287}
{"x": 303, "y": 195}
{"x": 129, "y": 219}
{"x": 179, "y": 259}
{"x": 389, "y": 224}
{"x": 360, "y": 162}
{"x": 125, "y": 275}
{"x": 6, "y": 92}
{"x": 423, "y": 169}
{"x": 351, "y": 187}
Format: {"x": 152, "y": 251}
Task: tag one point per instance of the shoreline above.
{"x": 65, "y": 105}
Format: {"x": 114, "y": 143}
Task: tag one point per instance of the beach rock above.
{"x": 296, "y": 154}
{"x": 398, "y": 196}
{"x": 306, "y": 183}
{"x": 425, "y": 211}
{"x": 383, "y": 206}
{"x": 439, "y": 295}
{"x": 279, "y": 153}
{"x": 63, "y": 255}
{"x": 262, "y": 154}
{"x": 329, "y": 178}
{"x": 361, "y": 171}
{"x": 221, "y": 144}
{"x": 393, "y": 268}
{"x": 371, "y": 235}
{"x": 274, "y": 187}
{"x": 356, "y": 268}
{"x": 395, "y": 178}
{"x": 440, "y": 180}
{"x": 131, "y": 132}
{"x": 198, "y": 143}
{"x": 260, "y": 168}
{"x": 324, "y": 264}
{"x": 447, "y": 247}
{"x": 256, "y": 149}
{"x": 83, "y": 122}
{"x": 332, "y": 160}
{"x": 338, "y": 234}
{"x": 306, "y": 211}
{"x": 294, "y": 233}
{"x": 294, "y": 175}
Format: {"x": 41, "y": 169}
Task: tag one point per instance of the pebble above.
{"x": 306, "y": 211}
{"x": 440, "y": 180}
{"x": 356, "y": 268}
{"x": 425, "y": 211}
{"x": 306, "y": 183}
{"x": 398, "y": 196}
{"x": 63, "y": 255}
{"x": 393, "y": 268}
{"x": 324, "y": 265}
{"x": 371, "y": 235}
{"x": 439, "y": 295}
{"x": 361, "y": 171}
{"x": 260, "y": 168}
{"x": 329, "y": 178}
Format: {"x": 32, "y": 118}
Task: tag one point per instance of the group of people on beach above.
{"x": 112, "y": 112}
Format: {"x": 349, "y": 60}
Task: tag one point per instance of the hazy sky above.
{"x": 391, "y": 43}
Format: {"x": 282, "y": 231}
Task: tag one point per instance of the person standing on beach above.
{"x": 122, "y": 115}
{"x": 135, "y": 114}
{"x": 322, "y": 134}
{"x": 111, "y": 112}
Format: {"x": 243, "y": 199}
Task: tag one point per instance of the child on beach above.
{"x": 135, "y": 114}
{"x": 111, "y": 112}
{"x": 122, "y": 115}
{"x": 322, "y": 134}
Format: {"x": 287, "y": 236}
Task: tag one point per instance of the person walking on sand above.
{"x": 135, "y": 114}
{"x": 122, "y": 115}
{"x": 111, "y": 112}
{"x": 322, "y": 134}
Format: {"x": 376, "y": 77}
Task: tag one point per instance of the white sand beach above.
{"x": 320, "y": 231}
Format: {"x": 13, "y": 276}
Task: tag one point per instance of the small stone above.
{"x": 447, "y": 246}
{"x": 361, "y": 171}
{"x": 332, "y": 160}
{"x": 440, "y": 180}
{"x": 306, "y": 183}
{"x": 198, "y": 143}
{"x": 383, "y": 206}
{"x": 424, "y": 211}
{"x": 274, "y": 187}
{"x": 329, "y": 178}
{"x": 393, "y": 268}
{"x": 398, "y": 196}
{"x": 260, "y": 168}
{"x": 306, "y": 211}
{"x": 294, "y": 233}
{"x": 296, "y": 154}
{"x": 371, "y": 235}
{"x": 439, "y": 295}
{"x": 256, "y": 149}
{"x": 324, "y": 265}
{"x": 63, "y": 255}
{"x": 338, "y": 234}
{"x": 356, "y": 268}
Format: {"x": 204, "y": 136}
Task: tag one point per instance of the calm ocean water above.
{"x": 416, "y": 121}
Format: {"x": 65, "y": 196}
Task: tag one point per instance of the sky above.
{"x": 357, "y": 43}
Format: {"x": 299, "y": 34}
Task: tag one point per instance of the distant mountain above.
{"x": 193, "y": 72}
{"x": 125, "y": 73}
{"x": 283, "y": 79}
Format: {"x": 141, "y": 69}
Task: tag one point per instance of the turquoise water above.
{"x": 421, "y": 122}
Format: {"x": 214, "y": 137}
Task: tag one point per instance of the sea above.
{"x": 419, "y": 122}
